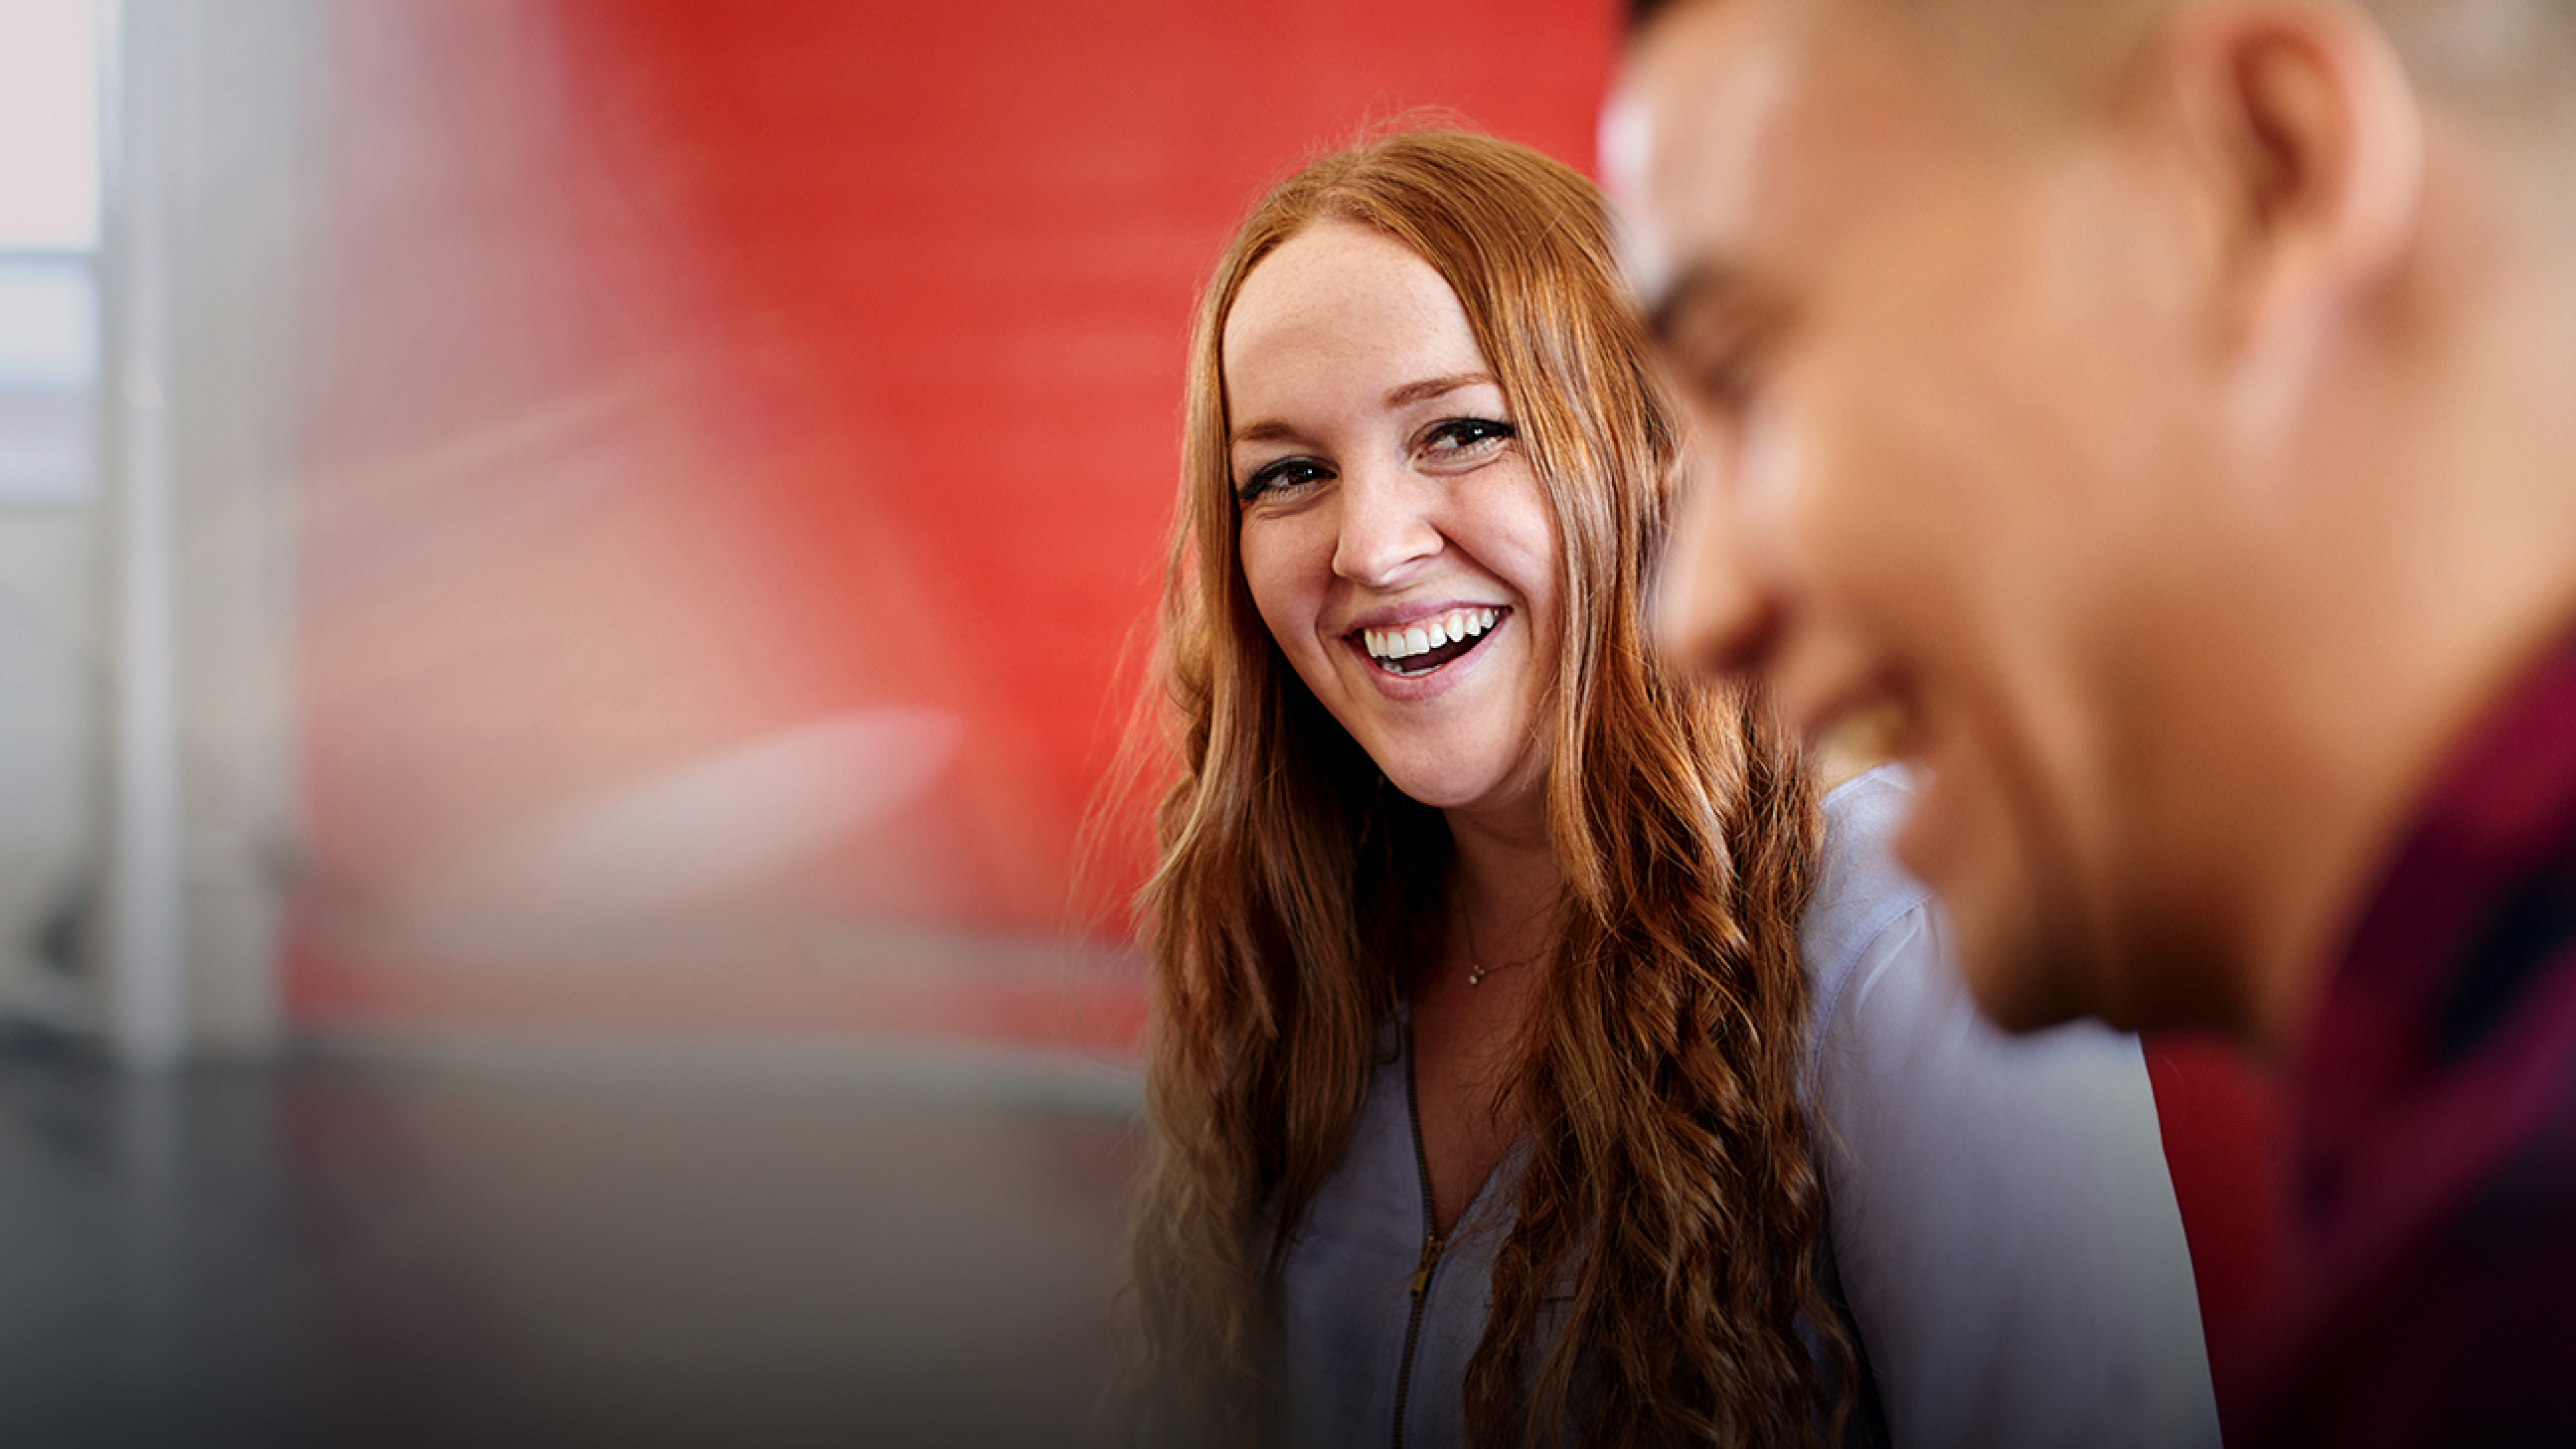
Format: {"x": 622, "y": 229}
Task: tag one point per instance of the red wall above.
{"x": 695, "y": 373}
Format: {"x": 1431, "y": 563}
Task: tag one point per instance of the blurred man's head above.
{"x": 2168, "y": 405}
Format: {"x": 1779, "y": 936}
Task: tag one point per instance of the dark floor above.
{"x": 433, "y": 1252}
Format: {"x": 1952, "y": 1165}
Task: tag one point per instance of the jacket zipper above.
{"x": 1431, "y": 1243}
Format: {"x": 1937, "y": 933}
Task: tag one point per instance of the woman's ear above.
{"x": 2302, "y": 133}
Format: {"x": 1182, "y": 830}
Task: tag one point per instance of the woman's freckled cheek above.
{"x": 1274, "y": 569}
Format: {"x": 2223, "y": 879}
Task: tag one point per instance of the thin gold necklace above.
{"x": 1477, "y": 970}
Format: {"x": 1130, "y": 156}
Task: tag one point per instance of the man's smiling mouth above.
{"x": 1427, "y": 644}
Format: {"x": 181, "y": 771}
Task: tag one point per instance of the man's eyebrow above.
{"x": 1704, "y": 288}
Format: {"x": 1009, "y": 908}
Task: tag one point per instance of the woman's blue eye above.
{"x": 1287, "y": 473}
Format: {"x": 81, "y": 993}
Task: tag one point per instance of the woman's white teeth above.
{"x": 1428, "y": 635}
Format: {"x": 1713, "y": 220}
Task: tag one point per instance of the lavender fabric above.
{"x": 2004, "y": 1230}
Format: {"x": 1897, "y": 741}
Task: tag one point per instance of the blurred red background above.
{"x": 744, "y": 441}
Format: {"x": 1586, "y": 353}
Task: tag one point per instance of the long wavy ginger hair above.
{"x": 1668, "y": 1178}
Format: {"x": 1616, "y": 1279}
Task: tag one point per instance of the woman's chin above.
{"x": 1439, "y": 795}
{"x": 1497, "y": 791}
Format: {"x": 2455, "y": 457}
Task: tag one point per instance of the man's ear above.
{"x": 2304, "y": 137}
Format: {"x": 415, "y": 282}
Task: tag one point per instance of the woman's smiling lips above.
{"x": 1409, "y": 646}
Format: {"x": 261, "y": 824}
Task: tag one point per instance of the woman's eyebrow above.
{"x": 1428, "y": 388}
{"x": 1272, "y": 430}
{"x": 1267, "y": 431}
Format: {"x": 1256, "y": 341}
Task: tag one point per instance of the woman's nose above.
{"x": 1389, "y": 522}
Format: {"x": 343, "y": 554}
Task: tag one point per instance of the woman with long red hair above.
{"x": 1484, "y": 1067}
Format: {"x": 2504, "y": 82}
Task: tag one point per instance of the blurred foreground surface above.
{"x": 554, "y": 1249}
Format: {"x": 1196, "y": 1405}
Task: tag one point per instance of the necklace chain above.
{"x": 1477, "y": 970}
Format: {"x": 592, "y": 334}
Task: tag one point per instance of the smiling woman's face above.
{"x": 1393, "y": 532}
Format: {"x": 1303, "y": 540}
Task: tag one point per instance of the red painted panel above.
{"x": 744, "y": 439}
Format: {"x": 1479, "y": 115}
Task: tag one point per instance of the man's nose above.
{"x": 1389, "y": 522}
{"x": 1713, "y": 612}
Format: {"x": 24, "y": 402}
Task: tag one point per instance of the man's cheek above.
{"x": 1686, "y": 583}
{"x": 1790, "y": 514}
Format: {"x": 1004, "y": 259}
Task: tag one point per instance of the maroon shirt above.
{"x": 2435, "y": 1102}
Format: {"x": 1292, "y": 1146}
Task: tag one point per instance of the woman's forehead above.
{"x": 1346, "y": 317}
